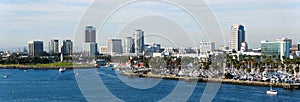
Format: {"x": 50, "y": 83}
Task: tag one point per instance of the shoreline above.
{"x": 223, "y": 81}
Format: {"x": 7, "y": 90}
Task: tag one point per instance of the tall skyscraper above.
{"x": 90, "y": 34}
{"x": 54, "y": 46}
{"x": 128, "y": 45}
{"x": 114, "y": 46}
{"x": 36, "y": 48}
{"x": 237, "y": 37}
{"x": 139, "y": 41}
{"x": 67, "y": 48}
{"x": 90, "y": 47}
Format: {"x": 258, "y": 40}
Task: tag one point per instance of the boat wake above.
{"x": 4, "y": 76}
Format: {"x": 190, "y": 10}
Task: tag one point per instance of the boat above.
{"x": 271, "y": 91}
{"x": 4, "y": 76}
{"x": 61, "y": 70}
{"x": 100, "y": 63}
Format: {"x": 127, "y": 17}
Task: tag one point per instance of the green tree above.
{"x": 297, "y": 69}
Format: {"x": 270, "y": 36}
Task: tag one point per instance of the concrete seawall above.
{"x": 225, "y": 81}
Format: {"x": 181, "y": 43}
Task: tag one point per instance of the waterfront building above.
{"x": 237, "y": 36}
{"x": 25, "y": 51}
{"x": 139, "y": 41}
{"x": 294, "y": 48}
{"x": 128, "y": 45}
{"x": 169, "y": 50}
{"x": 206, "y": 47}
{"x": 244, "y": 47}
{"x": 103, "y": 49}
{"x": 270, "y": 48}
{"x": 90, "y": 49}
{"x": 285, "y": 45}
{"x": 114, "y": 46}
{"x": 90, "y": 34}
{"x": 224, "y": 48}
{"x": 54, "y": 47}
{"x": 152, "y": 47}
{"x": 36, "y": 48}
{"x": 67, "y": 48}
{"x": 182, "y": 50}
{"x": 193, "y": 50}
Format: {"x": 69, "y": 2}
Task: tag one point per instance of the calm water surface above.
{"x": 49, "y": 85}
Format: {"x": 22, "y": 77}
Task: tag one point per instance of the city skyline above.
{"x": 58, "y": 19}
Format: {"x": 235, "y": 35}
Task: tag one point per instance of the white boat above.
{"x": 271, "y": 91}
{"x": 61, "y": 70}
{"x": 4, "y": 76}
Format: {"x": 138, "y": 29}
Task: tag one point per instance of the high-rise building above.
{"x": 90, "y": 34}
{"x": 237, "y": 37}
{"x": 67, "y": 48}
{"x": 285, "y": 45}
{"x": 298, "y": 47}
{"x": 36, "y": 48}
{"x": 206, "y": 46}
{"x": 54, "y": 46}
{"x": 114, "y": 46}
{"x": 90, "y": 49}
{"x": 128, "y": 45}
{"x": 139, "y": 41}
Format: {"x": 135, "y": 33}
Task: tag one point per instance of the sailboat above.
{"x": 271, "y": 91}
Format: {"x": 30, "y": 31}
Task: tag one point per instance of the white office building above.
{"x": 206, "y": 47}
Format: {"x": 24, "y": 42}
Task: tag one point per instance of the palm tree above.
{"x": 297, "y": 70}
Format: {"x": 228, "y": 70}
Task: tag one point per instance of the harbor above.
{"x": 38, "y": 85}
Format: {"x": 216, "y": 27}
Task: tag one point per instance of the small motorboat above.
{"x": 61, "y": 70}
{"x": 4, "y": 76}
{"x": 272, "y": 92}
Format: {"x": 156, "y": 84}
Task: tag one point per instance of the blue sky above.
{"x": 25, "y": 20}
